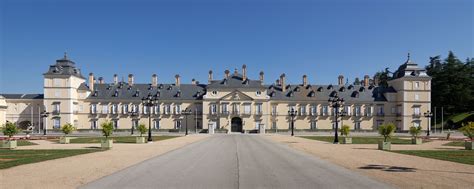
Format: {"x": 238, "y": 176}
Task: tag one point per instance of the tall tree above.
{"x": 356, "y": 81}
{"x": 382, "y": 78}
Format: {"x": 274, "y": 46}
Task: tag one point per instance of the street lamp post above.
{"x": 149, "y": 102}
{"x": 292, "y": 113}
{"x": 336, "y": 103}
{"x": 44, "y": 115}
{"x": 132, "y": 114}
{"x": 186, "y": 112}
{"x": 428, "y": 116}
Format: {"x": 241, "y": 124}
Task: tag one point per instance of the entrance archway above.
{"x": 236, "y": 124}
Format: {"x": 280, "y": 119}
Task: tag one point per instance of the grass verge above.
{"x": 455, "y": 143}
{"x": 11, "y": 158}
{"x": 118, "y": 139}
{"x": 360, "y": 140}
{"x": 24, "y": 143}
{"x": 458, "y": 156}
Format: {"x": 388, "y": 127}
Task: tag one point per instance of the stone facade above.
{"x": 234, "y": 103}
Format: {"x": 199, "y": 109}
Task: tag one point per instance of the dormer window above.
{"x": 312, "y": 94}
{"x": 371, "y": 87}
{"x": 320, "y": 89}
{"x": 350, "y": 87}
{"x": 258, "y": 93}
{"x": 290, "y": 94}
{"x": 214, "y": 93}
{"x": 297, "y": 89}
{"x": 116, "y": 93}
{"x": 137, "y": 93}
{"x": 170, "y": 87}
{"x": 96, "y": 93}
{"x": 329, "y": 87}
{"x": 361, "y": 89}
{"x": 158, "y": 94}
{"x": 150, "y": 87}
{"x": 160, "y": 87}
{"x": 355, "y": 94}
{"x": 342, "y": 89}
{"x": 198, "y": 94}
{"x": 178, "y": 94}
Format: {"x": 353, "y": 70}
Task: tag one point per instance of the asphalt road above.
{"x": 235, "y": 161}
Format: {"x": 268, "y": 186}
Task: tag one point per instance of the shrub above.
{"x": 142, "y": 129}
{"x": 386, "y": 130}
{"x": 415, "y": 131}
{"x": 345, "y": 129}
{"x": 468, "y": 130}
{"x": 67, "y": 128}
{"x": 107, "y": 128}
{"x": 10, "y": 129}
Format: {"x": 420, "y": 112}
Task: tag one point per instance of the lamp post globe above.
{"x": 428, "y": 114}
{"x": 44, "y": 115}
{"x": 148, "y": 102}
{"x": 292, "y": 113}
{"x": 336, "y": 102}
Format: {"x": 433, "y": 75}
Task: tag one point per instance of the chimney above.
{"x": 101, "y": 80}
{"x": 177, "y": 80}
{"x": 244, "y": 72}
{"x": 366, "y": 81}
{"x": 91, "y": 81}
{"x": 340, "y": 80}
{"x": 115, "y": 79}
{"x": 261, "y": 77}
{"x": 227, "y": 72}
{"x": 282, "y": 81}
{"x": 193, "y": 81}
{"x": 209, "y": 78}
{"x": 130, "y": 79}
{"x": 305, "y": 80}
{"x": 236, "y": 72}
{"x": 154, "y": 80}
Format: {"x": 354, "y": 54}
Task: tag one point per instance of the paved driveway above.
{"x": 235, "y": 161}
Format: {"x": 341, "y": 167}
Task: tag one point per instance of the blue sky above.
{"x": 319, "y": 38}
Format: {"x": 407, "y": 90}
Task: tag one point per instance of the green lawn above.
{"x": 118, "y": 139}
{"x": 455, "y": 143}
{"x": 459, "y": 156}
{"x": 11, "y": 158}
{"x": 24, "y": 143}
{"x": 360, "y": 140}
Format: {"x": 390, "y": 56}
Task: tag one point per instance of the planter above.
{"x": 140, "y": 140}
{"x": 468, "y": 145}
{"x": 347, "y": 140}
{"x": 384, "y": 145}
{"x": 9, "y": 144}
{"x": 106, "y": 143}
{"x": 64, "y": 140}
{"x": 417, "y": 141}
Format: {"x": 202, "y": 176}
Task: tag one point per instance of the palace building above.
{"x": 234, "y": 103}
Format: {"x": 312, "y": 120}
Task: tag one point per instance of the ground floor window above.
{"x": 93, "y": 124}
{"x": 357, "y": 126}
{"x": 56, "y": 123}
{"x": 257, "y": 125}
{"x": 116, "y": 124}
{"x": 156, "y": 124}
{"x": 134, "y": 124}
{"x": 313, "y": 125}
{"x": 177, "y": 124}
{"x": 274, "y": 125}
{"x": 198, "y": 125}
{"x": 416, "y": 123}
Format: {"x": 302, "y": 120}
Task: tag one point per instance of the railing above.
{"x": 416, "y": 114}
{"x": 55, "y": 112}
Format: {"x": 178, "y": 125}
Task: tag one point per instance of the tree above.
{"x": 386, "y": 130}
{"x": 356, "y": 81}
{"x": 468, "y": 130}
{"x": 415, "y": 131}
{"x": 345, "y": 129}
{"x": 10, "y": 129}
{"x": 142, "y": 129}
{"x": 107, "y": 128}
{"x": 382, "y": 77}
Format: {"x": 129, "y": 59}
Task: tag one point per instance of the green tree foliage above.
{"x": 468, "y": 130}
{"x": 10, "y": 129}
{"x": 357, "y": 81}
{"x": 383, "y": 77}
{"x": 386, "y": 130}
{"x": 415, "y": 131}
{"x": 67, "y": 128}
{"x": 107, "y": 128}
{"x": 345, "y": 129}
{"x": 452, "y": 86}
{"x": 142, "y": 129}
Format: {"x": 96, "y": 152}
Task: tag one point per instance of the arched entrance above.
{"x": 236, "y": 124}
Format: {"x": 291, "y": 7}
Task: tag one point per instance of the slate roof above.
{"x": 64, "y": 67}
{"x": 23, "y": 96}
{"x": 235, "y": 81}
{"x": 350, "y": 93}
{"x": 123, "y": 91}
{"x": 409, "y": 69}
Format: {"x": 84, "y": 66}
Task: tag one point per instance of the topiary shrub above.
{"x": 107, "y": 128}
{"x": 415, "y": 131}
{"x": 345, "y": 129}
{"x": 468, "y": 130}
{"x": 67, "y": 128}
{"x": 10, "y": 129}
{"x": 386, "y": 130}
{"x": 142, "y": 129}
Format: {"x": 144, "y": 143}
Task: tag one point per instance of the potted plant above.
{"x": 142, "y": 129}
{"x": 386, "y": 130}
{"x": 345, "y": 129}
{"x": 468, "y": 130}
{"x": 107, "y": 130}
{"x": 66, "y": 129}
{"x": 9, "y": 130}
{"x": 415, "y": 133}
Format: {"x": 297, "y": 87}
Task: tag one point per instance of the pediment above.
{"x": 236, "y": 96}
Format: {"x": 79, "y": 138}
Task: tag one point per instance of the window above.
{"x": 156, "y": 124}
{"x": 213, "y": 108}
{"x": 258, "y": 108}
{"x": 56, "y": 108}
{"x": 416, "y": 111}
{"x": 115, "y": 123}
{"x": 177, "y": 109}
{"x": 274, "y": 125}
{"x": 394, "y": 110}
{"x": 314, "y": 110}
{"x": 368, "y": 110}
{"x": 124, "y": 108}
{"x": 303, "y": 109}
{"x": 416, "y": 123}
{"x": 105, "y": 109}
{"x": 357, "y": 125}
{"x": 177, "y": 124}
{"x": 258, "y": 93}
{"x": 324, "y": 111}
{"x": 93, "y": 108}
{"x": 156, "y": 109}
{"x": 167, "y": 108}
{"x": 93, "y": 124}
{"x": 380, "y": 110}
{"x": 357, "y": 111}
{"x": 417, "y": 85}
{"x": 236, "y": 108}
{"x": 257, "y": 125}
{"x": 274, "y": 110}
{"x": 347, "y": 109}
{"x": 417, "y": 97}
{"x": 114, "y": 108}
{"x": 135, "y": 123}
{"x": 247, "y": 109}
{"x": 224, "y": 108}
{"x": 56, "y": 123}
{"x": 313, "y": 125}
{"x": 214, "y": 93}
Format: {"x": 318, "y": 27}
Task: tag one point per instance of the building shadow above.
{"x": 388, "y": 168}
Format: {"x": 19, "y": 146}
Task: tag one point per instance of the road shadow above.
{"x": 365, "y": 148}
{"x": 388, "y": 168}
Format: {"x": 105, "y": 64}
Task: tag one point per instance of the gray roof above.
{"x": 23, "y": 96}
{"x": 64, "y": 67}
{"x": 409, "y": 69}
{"x": 350, "y": 93}
{"x": 137, "y": 91}
{"x": 235, "y": 81}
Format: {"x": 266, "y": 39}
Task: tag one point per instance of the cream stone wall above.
{"x": 3, "y": 111}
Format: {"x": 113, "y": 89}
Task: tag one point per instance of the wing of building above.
{"x": 233, "y": 103}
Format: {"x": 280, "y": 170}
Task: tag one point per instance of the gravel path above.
{"x": 404, "y": 171}
{"x": 74, "y": 171}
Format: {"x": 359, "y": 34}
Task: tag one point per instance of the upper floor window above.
{"x": 417, "y": 97}
{"x": 416, "y": 111}
{"x": 125, "y": 108}
{"x": 417, "y": 85}
{"x": 274, "y": 110}
{"x": 258, "y": 108}
{"x": 258, "y": 93}
{"x": 57, "y": 82}
{"x": 314, "y": 110}
{"x": 302, "y": 109}
{"x": 93, "y": 108}
{"x": 105, "y": 109}
{"x": 368, "y": 110}
{"x": 56, "y": 107}
{"x": 177, "y": 109}
{"x": 224, "y": 108}
{"x": 325, "y": 110}
{"x": 247, "y": 108}
{"x": 213, "y": 108}
{"x": 114, "y": 108}
{"x": 214, "y": 93}
{"x": 357, "y": 111}
{"x": 167, "y": 108}
{"x": 236, "y": 108}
